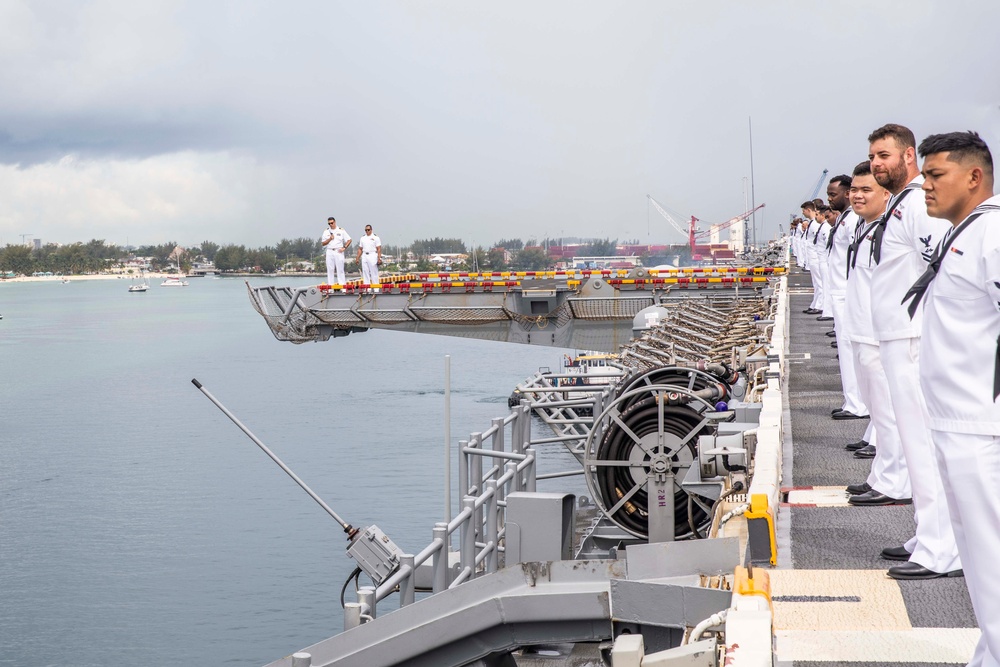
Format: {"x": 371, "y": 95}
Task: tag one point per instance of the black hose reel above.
{"x": 643, "y": 446}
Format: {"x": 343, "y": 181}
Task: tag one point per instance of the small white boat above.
{"x": 174, "y": 282}
{"x": 140, "y": 286}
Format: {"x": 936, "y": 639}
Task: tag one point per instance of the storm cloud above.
{"x": 247, "y": 122}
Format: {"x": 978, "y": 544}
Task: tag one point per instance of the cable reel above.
{"x": 711, "y": 386}
{"x": 638, "y": 455}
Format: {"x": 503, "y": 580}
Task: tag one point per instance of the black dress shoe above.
{"x": 866, "y": 452}
{"x": 833, "y": 344}
{"x": 824, "y": 319}
{"x": 895, "y": 553}
{"x": 844, "y": 414}
{"x": 915, "y": 571}
{"x": 874, "y": 498}
{"x": 858, "y": 489}
{"x": 831, "y": 333}
{"x": 810, "y": 311}
{"x": 855, "y": 446}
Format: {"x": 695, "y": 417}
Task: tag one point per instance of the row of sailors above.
{"x": 909, "y": 270}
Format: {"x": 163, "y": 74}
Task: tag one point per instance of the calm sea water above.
{"x": 139, "y": 526}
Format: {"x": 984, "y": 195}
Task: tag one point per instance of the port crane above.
{"x": 815, "y": 191}
{"x": 690, "y": 229}
{"x": 819, "y": 184}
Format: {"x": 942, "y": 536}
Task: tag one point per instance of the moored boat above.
{"x": 174, "y": 282}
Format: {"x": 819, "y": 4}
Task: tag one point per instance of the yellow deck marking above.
{"x": 919, "y": 645}
{"x": 879, "y": 604}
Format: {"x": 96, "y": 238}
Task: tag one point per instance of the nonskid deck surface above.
{"x": 835, "y": 605}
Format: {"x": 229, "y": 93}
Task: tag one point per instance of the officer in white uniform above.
{"x": 841, "y": 235}
{"x": 336, "y": 241}
{"x": 908, "y": 238}
{"x": 888, "y": 477}
{"x": 959, "y": 367}
{"x": 369, "y": 256}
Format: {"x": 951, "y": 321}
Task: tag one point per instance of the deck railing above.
{"x": 491, "y": 465}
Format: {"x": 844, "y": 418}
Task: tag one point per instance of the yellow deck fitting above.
{"x": 760, "y": 528}
{"x": 753, "y": 581}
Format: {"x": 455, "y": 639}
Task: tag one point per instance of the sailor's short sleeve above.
{"x": 991, "y": 271}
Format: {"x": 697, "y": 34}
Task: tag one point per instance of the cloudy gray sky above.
{"x": 247, "y": 122}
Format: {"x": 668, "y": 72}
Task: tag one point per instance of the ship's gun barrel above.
{"x": 348, "y": 528}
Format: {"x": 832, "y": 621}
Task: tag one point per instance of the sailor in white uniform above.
{"x": 799, "y": 230}
{"x": 810, "y": 226}
{"x": 336, "y": 240}
{"x": 838, "y": 193}
{"x": 822, "y": 253}
{"x": 960, "y": 366}
{"x": 902, "y": 245}
{"x": 369, "y": 256}
{"x": 809, "y": 212}
{"x": 815, "y": 243}
{"x": 888, "y": 477}
{"x": 793, "y": 240}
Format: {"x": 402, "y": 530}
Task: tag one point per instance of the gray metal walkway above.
{"x": 589, "y": 310}
{"x": 558, "y": 602}
{"x": 838, "y": 607}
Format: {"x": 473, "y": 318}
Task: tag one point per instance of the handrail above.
{"x": 480, "y": 522}
{"x": 480, "y": 513}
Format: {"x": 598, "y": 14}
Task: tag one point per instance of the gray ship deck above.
{"x": 833, "y": 603}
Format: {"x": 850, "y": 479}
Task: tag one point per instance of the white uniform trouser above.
{"x": 848, "y": 376}
{"x": 335, "y": 267}
{"x": 888, "y": 474}
{"x": 816, "y": 268}
{"x": 935, "y": 548}
{"x": 369, "y": 267}
{"x": 969, "y": 466}
{"x": 827, "y": 305}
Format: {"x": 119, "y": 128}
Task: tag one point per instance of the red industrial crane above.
{"x": 692, "y": 231}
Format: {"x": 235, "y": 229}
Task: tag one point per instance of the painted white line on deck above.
{"x": 941, "y": 645}
{"x": 818, "y": 496}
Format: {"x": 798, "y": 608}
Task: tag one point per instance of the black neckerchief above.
{"x": 840, "y": 219}
{"x": 881, "y": 223}
{"x": 860, "y": 232}
{"x": 919, "y": 288}
{"x": 816, "y": 235}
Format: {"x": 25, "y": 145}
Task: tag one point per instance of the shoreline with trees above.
{"x": 305, "y": 256}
